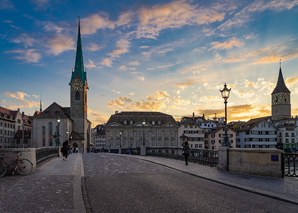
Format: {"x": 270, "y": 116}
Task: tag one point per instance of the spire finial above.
{"x": 280, "y": 63}
{"x": 40, "y": 105}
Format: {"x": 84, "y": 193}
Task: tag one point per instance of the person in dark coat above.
{"x": 186, "y": 152}
{"x": 64, "y": 149}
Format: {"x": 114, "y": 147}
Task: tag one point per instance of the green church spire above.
{"x": 79, "y": 64}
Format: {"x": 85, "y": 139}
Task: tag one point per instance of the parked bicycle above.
{"x": 21, "y": 165}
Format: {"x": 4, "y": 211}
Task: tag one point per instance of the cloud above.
{"x": 210, "y": 98}
{"x": 93, "y": 47}
{"x": 25, "y": 39}
{"x": 173, "y": 15}
{"x": 246, "y": 14}
{"x": 115, "y": 91}
{"x": 60, "y": 43}
{"x": 20, "y": 97}
{"x": 119, "y": 102}
{"x": 144, "y": 47}
{"x": 29, "y": 55}
{"x": 292, "y": 80}
{"x": 179, "y": 101}
{"x": 122, "y": 47}
{"x": 234, "y": 42}
{"x": 131, "y": 93}
{"x": 185, "y": 84}
{"x": 161, "y": 95}
{"x": 194, "y": 69}
{"x": 124, "y": 19}
{"x": 6, "y": 4}
{"x": 91, "y": 24}
{"x": 134, "y": 63}
{"x": 162, "y": 49}
{"x": 91, "y": 64}
{"x": 161, "y": 67}
{"x": 124, "y": 68}
{"x": 95, "y": 117}
{"x": 50, "y": 26}
{"x": 107, "y": 62}
{"x": 239, "y": 112}
{"x": 141, "y": 78}
{"x": 146, "y": 106}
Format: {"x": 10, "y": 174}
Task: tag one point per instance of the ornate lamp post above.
{"x": 143, "y": 123}
{"x": 225, "y": 93}
{"x": 58, "y": 140}
{"x": 120, "y": 142}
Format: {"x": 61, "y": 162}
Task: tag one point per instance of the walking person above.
{"x": 64, "y": 149}
{"x": 186, "y": 152}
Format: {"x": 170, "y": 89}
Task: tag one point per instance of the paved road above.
{"x": 123, "y": 184}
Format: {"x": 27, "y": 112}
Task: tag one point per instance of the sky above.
{"x": 149, "y": 55}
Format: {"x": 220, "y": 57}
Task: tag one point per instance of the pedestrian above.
{"x": 186, "y": 152}
{"x": 64, "y": 149}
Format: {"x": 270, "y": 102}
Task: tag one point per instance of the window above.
{"x": 43, "y": 136}
{"x": 185, "y": 126}
{"x": 50, "y": 133}
{"x": 77, "y": 96}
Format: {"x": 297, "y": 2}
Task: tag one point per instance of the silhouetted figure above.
{"x": 64, "y": 149}
{"x": 186, "y": 152}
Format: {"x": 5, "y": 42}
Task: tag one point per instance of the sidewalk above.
{"x": 54, "y": 187}
{"x": 285, "y": 189}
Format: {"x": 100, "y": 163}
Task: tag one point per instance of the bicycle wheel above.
{"x": 24, "y": 166}
{"x": 2, "y": 169}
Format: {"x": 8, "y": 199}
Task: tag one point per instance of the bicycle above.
{"x": 21, "y": 165}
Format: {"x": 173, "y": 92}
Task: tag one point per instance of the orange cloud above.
{"x": 60, "y": 43}
{"x": 184, "y": 85}
{"x": 119, "y": 102}
{"x": 234, "y": 42}
{"x": 91, "y": 24}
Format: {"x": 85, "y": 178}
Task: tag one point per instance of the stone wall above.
{"x": 261, "y": 162}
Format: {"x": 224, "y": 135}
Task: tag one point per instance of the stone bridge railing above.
{"x": 36, "y": 155}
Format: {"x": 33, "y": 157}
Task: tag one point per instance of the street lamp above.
{"x": 225, "y": 93}
{"x": 58, "y": 140}
{"x": 120, "y": 139}
{"x": 143, "y": 123}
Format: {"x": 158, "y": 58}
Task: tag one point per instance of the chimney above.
{"x": 116, "y": 112}
{"x": 193, "y": 115}
{"x": 203, "y": 116}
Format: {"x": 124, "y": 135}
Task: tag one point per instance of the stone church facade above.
{"x": 56, "y": 124}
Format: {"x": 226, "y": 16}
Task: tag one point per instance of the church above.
{"x": 52, "y": 126}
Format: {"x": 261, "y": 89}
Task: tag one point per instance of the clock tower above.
{"x": 78, "y": 99}
{"x": 281, "y": 103}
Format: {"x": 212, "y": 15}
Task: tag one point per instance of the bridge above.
{"x": 106, "y": 182}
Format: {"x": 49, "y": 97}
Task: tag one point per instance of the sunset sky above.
{"x": 149, "y": 55}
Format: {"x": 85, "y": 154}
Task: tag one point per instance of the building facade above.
{"x": 215, "y": 137}
{"x": 257, "y": 133}
{"x": 14, "y": 129}
{"x": 99, "y": 137}
{"x": 137, "y": 129}
{"x": 190, "y": 131}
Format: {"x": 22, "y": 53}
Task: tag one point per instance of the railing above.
{"x": 290, "y": 164}
{"x": 201, "y": 156}
{"x": 43, "y": 154}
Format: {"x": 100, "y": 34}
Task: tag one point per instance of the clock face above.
{"x": 286, "y": 98}
{"x": 275, "y": 99}
{"x": 77, "y": 84}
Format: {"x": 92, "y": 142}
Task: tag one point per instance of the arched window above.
{"x": 77, "y": 96}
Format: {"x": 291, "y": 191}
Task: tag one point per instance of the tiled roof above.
{"x": 53, "y": 111}
{"x": 138, "y": 117}
{"x": 252, "y": 123}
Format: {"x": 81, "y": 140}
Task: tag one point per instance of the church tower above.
{"x": 281, "y": 104}
{"x": 78, "y": 99}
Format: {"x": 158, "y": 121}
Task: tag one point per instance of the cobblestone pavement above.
{"x": 48, "y": 189}
{"x": 284, "y": 188}
{"x": 123, "y": 183}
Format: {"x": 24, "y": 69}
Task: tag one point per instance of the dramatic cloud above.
{"x": 246, "y": 14}
{"x": 60, "y": 43}
{"x": 234, "y": 42}
{"x": 122, "y": 47}
{"x": 238, "y": 112}
{"x": 119, "y": 102}
{"x": 95, "y": 117}
{"x": 210, "y": 98}
{"x": 91, "y": 24}
{"x": 124, "y": 68}
{"x": 53, "y": 27}
{"x": 174, "y": 15}
{"x": 179, "y": 101}
{"x": 20, "y": 97}
{"x": 161, "y": 95}
{"x": 29, "y": 55}
{"x": 124, "y": 19}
